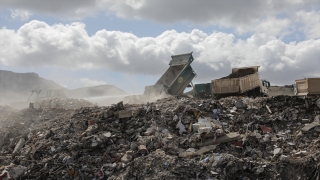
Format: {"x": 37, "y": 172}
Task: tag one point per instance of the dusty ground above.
{"x": 280, "y": 90}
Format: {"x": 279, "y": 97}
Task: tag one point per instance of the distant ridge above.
{"x": 17, "y": 87}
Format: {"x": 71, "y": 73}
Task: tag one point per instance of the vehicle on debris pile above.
{"x": 307, "y": 87}
{"x": 203, "y": 90}
{"x": 177, "y": 77}
{"x": 173, "y": 82}
{"x": 242, "y": 81}
{"x": 36, "y": 96}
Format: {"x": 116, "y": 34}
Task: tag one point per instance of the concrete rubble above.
{"x": 172, "y": 138}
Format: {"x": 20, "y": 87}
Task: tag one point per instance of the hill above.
{"x": 18, "y": 86}
{"x": 95, "y": 91}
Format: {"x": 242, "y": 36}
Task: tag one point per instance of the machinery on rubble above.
{"x": 36, "y": 92}
{"x": 177, "y": 77}
{"x": 307, "y": 87}
{"x": 203, "y": 90}
{"x": 242, "y": 81}
{"x": 36, "y": 95}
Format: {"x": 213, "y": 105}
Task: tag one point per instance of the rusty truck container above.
{"x": 238, "y": 84}
{"x": 308, "y": 86}
{"x": 177, "y": 77}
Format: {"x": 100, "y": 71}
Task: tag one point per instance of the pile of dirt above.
{"x": 240, "y": 73}
{"x": 172, "y": 138}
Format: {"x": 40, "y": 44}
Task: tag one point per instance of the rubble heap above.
{"x": 65, "y": 103}
{"x": 240, "y": 73}
{"x": 173, "y": 138}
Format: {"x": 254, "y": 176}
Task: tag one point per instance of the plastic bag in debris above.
{"x": 67, "y": 160}
{"x": 165, "y": 131}
{"x": 217, "y": 161}
{"x": 181, "y": 127}
{"x": 216, "y": 113}
{"x": 204, "y": 121}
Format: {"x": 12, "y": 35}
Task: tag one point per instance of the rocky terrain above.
{"x": 172, "y": 138}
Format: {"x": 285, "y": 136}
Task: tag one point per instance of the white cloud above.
{"x": 308, "y": 23}
{"x": 38, "y": 44}
{"x": 59, "y": 8}
{"x": 85, "y": 82}
{"x": 270, "y": 25}
{"x": 201, "y": 11}
{"x": 22, "y": 15}
{"x": 268, "y": 16}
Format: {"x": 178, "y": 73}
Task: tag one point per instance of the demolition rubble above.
{"x": 172, "y": 138}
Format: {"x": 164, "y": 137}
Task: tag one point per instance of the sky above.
{"x": 129, "y": 43}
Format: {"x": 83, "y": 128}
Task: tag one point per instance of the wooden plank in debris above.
{"x": 222, "y": 139}
{"x": 308, "y": 127}
{"x": 269, "y": 109}
{"x": 206, "y": 149}
{"x": 228, "y": 137}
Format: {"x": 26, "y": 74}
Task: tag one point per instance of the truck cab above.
{"x": 264, "y": 87}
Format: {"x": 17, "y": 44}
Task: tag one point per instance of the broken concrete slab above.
{"x": 125, "y": 113}
{"x": 126, "y": 158}
{"x": 222, "y": 139}
{"x": 15, "y": 172}
{"x": 228, "y": 137}
{"x": 187, "y": 154}
{"x": 19, "y": 145}
{"x": 277, "y": 151}
{"x": 206, "y": 149}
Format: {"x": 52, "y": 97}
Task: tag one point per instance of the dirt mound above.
{"x": 172, "y": 138}
{"x": 240, "y": 73}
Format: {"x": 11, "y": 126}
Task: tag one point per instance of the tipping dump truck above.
{"x": 242, "y": 81}
{"x": 203, "y": 90}
{"x": 177, "y": 77}
{"x": 307, "y": 87}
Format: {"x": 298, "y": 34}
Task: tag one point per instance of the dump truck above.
{"x": 203, "y": 90}
{"x": 307, "y": 87}
{"x": 177, "y": 77}
{"x": 242, "y": 81}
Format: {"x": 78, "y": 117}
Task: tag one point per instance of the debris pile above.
{"x": 240, "y": 73}
{"x": 172, "y": 138}
{"x": 64, "y": 103}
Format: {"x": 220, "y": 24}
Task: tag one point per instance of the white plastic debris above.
{"x": 181, "y": 127}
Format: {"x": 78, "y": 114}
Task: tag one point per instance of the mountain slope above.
{"x": 18, "y": 86}
{"x": 95, "y": 91}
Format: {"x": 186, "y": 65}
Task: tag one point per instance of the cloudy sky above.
{"x": 128, "y": 43}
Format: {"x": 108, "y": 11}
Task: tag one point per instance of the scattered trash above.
{"x": 172, "y": 138}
